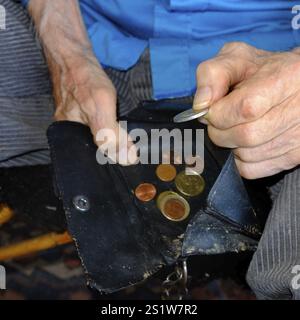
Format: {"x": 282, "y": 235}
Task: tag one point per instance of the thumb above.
{"x": 215, "y": 77}
{"x": 110, "y": 137}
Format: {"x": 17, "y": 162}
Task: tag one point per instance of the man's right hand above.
{"x": 82, "y": 90}
{"x": 254, "y": 107}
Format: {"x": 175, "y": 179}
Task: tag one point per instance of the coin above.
{"x": 145, "y": 192}
{"x": 166, "y": 172}
{"x": 174, "y": 209}
{"x": 191, "y": 184}
{"x": 173, "y": 206}
{"x": 189, "y": 115}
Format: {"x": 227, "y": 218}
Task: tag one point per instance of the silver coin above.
{"x": 189, "y": 115}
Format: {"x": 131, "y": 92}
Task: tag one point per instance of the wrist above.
{"x": 75, "y": 77}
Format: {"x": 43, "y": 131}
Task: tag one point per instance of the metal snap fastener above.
{"x": 81, "y": 203}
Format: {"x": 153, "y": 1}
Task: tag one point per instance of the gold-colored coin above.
{"x": 173, "y": 206}
{"x": 166, "y": 172}
{"x": 191, "y": 184}
{"x": 145, "y": 192}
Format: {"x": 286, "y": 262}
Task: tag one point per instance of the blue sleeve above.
{"x": 25, "y": 2}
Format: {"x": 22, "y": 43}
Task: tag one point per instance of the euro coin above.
{"x": 166, "y": 172}
{"x": 189, "y": 115}
{"x": 173, "y": 206}
{"x": 145, "y": 192}
{"x": 191, "y": 184}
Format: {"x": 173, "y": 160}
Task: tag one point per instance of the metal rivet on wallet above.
{"x": 81, "y": 203}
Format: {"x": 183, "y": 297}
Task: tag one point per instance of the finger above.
{"x": 216, "y": 76}
{"x": 271, "y": 125}
{"x": 109, "y": 136}
{"x": 242, "y": 105}
{"x": 275, "y": 148}
{"x": 269, "y": 167}
{"x": 270, "y": 86}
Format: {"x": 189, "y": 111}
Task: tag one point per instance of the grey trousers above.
{"x": 26, "y": 110}
{"x": 26, "y": 100}
{"x": 274, "y": 272}
{"x": 26, "y": 104}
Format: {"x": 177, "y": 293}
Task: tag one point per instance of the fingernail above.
{"x": 202, "y": 98}
{"x": 203, "y": 121}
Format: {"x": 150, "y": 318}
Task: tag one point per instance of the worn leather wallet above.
{"x": 122, "y": 241}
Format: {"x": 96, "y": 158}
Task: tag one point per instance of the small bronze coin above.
{"x": 174, "y": 209}
{"x": 166, "y": 172}
{"x": 173, "y": 206}
{"x": 145, "y": 192}
{"x": 191, "y": 184}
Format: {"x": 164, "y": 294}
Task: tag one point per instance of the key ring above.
{"x": 175, "y": 285}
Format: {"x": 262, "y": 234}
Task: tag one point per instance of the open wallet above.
{"x": 121, "y": 240}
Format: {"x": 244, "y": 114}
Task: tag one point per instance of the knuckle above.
{"x": 248, "y": 108}
{"x": 287, "y": 63}
{"x": 204, "y": 66}
{"x": 216, "y": 69}
{"x": 230, "y": 46}
{"x": 236, "y": 47}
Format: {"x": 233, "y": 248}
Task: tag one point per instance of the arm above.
{"x": 82, "y": 90}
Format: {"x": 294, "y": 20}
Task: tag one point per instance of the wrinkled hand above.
{"x": 85, "y": 94}
{"x": 254, "y": 99}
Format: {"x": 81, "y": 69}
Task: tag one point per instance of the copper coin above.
{"x": 173, "y": 206}
{"x": 145, "y": 192}
{"x": 166, "y": 172}
{"x": 174, "y": 209}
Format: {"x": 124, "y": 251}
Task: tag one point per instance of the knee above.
{"x": 275, "y": 282}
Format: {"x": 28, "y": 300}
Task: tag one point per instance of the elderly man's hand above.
{"x": 254, "y": 99}
{"x": 85, "y": 94}
{"x": 82, "y": 90}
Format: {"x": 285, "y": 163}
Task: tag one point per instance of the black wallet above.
{"x": 122, "y": 241}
